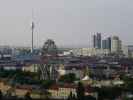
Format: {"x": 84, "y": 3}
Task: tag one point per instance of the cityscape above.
{"x": 101, "y": 69}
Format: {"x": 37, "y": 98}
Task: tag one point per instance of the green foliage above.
{"x": 47, "y": 83}
{"x": 1, "y": 95}
{"x": 128, "y": 83}
{"x": 80, "y": 91}
{"x": 68, "y": 78}
{"x": 18, "y": 76}
{"x": 109, "y": 92}
{"x": 71, "y": 96}
{"x": 27, "y": 96}
{"x": 127, "y": 98}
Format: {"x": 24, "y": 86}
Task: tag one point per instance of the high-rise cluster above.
{"x": 113, "y": 44}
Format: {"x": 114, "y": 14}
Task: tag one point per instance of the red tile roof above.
{"x": 88, "y": 88}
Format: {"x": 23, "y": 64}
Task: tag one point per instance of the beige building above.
{"x": 19, "y": 90}
{"x": 30, "y": 68}
{"x": 79, "y": 72}
{"x": 116, "y": 45}
{"x": 63, "y": 91}
{"x": 89, "y": 52}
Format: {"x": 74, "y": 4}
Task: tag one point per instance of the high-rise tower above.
{"x": 32, "y": 32}
{"x": 106, "y": 43}
{"x": 97, "y": 41}
{"x": 116, "y": 44}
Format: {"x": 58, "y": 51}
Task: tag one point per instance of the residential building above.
{"x": 76, "y": 69}
{"x": 90, "y": 52}
{"x": 63, "y": 91}
{"x": 128, "y": 51}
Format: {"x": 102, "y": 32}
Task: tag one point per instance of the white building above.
{"x": 125, "y": 51}
{"x": 77, "y": 71}
{"x": 116, "y": 45}
{"x": 90, "y": 52}
{"x": 128, "y": 51}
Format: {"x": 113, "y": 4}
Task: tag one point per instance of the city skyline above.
{"x": 69, "y": 23}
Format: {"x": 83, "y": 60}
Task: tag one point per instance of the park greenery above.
{"x": 20, "y": 77}
{"x": 24, "y": 78}
{"x": 68, "y": 78}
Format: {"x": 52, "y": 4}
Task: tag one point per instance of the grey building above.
{"x": 94, "y": 41}
{"x": 106, "y": 44}
{"x": 97, "y": 41}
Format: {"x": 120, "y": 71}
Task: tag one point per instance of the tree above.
{"x": 27, "y": 96}
{"x": 89, "y": 98}
{"x": 109, "y": 93}
{"x": 80, "y": 91}
{"x": 128, "y": 83}
{"x": 71, "y": 96}
{"x": 47, "y": 83}
{"x": 1, "y": 95}
{"x": 68, "y": 78}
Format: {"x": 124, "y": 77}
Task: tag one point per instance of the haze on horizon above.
{"x": 68, "y": 22}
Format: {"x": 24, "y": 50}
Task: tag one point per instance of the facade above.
{"x": 128, "y": 51}
{"x": 125, "y": 51}
{"x": 106, "y": 44}
{"x": 109, "y": 43}
{"x": 94, "y": 41}
{"x": 5, "y": 53}
{"x": 99, "y": 38}
{"x": 30, "y": 68}
{"x": 63, "y": 91}
{"x": 75, "y": 69}
{"x": 90, "y": 52}
{"x": 97, "y": 41}
{"x": 116, "y": 45}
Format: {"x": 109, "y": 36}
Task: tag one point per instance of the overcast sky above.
{"x": 68, "y": 22}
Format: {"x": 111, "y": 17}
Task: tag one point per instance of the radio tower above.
{"x": 32, "y": 31}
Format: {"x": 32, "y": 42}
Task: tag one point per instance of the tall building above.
{"x": 106, "y": 44}
{"x": 116, "y": 45}
{"x": 109, "y": 43}
{"x": 94, "y": 41}
{"x": 97, "y": 41}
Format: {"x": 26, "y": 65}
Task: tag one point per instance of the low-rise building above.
{"x": 90, "y": 52}
{"x": 128, "y": 51}
{"x": 63, "y": 91}
{"x": 71, "y": 68}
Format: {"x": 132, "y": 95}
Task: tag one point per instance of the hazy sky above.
{"x": 68, "y": 22}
